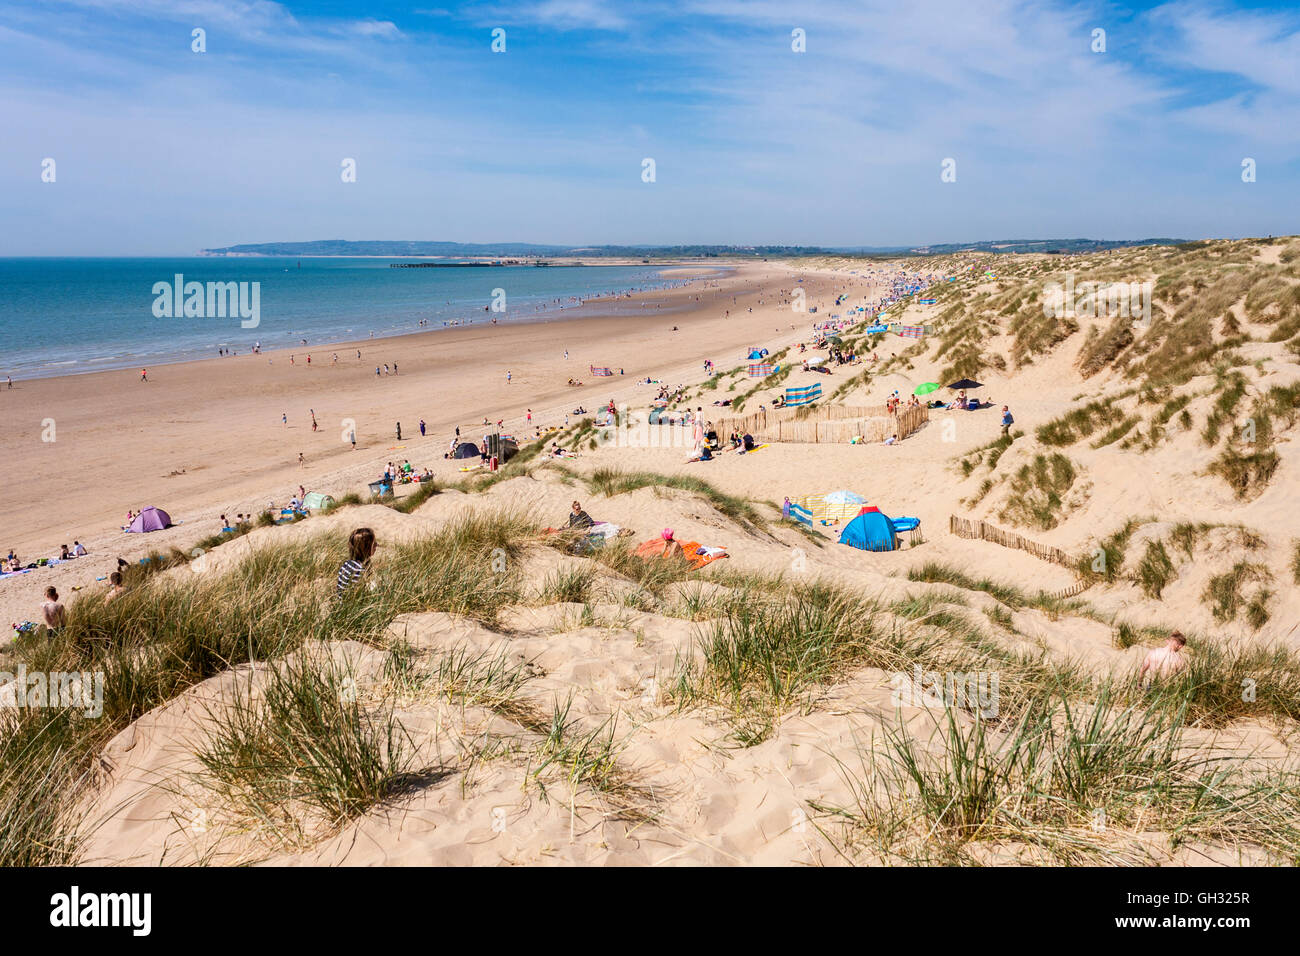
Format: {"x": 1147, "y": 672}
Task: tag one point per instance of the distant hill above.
{"x": 347, "y": 247}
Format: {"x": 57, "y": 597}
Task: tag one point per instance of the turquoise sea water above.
{"x": 66, "y": 316}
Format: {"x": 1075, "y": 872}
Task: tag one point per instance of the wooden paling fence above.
{"x": 827, "y": 424}
{"x": 965, "y": 528}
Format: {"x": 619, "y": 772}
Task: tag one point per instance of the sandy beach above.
{"x": 205, "y": 438}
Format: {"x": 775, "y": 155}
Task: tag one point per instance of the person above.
{"x": 144, "y": 375}
{"x": 114, "y": 586}
{"x": 361, "y": 547}
{"x": 78, "y": 549}
{"x": 421, "y": 427}
{"x": 284, "y": 419}
{"x": 302, "y": 462}
{"x": 1164, "y": 662}
{"x": 52, "y": 610}
{"x": 1007, "y": 420}
{"x": 891, "y": 440}
{"x": 64, "y": 554}
{"x": 399, "y": 431}
{"x": 579, "y": 518}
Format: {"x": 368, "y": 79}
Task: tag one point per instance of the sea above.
{"x": 71, "y": 316}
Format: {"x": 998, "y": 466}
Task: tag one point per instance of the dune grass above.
{"x": 1038, "y": 490}
{"x": 174, "y": 629}
{"x": 304, "y": 755}
{"x": 1067, "y": 784}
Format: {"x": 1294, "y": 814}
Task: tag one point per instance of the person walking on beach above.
{"x": 1007, "y": 421}
{"x": 284, "y": 419}
{"x": 399, "y": 431}
{"x": 144, "y": 375}
{"x": 530, "y": 416}
{"x": 507, "y": 376}
{"x": 421, "y": 427}
{"x": 302, "y": 462}
{"x": 353, "y": 437}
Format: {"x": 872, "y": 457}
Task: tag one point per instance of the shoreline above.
{"x": 542, "y": 315}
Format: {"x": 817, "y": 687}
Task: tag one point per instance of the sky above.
{"x": 161, "y": 150}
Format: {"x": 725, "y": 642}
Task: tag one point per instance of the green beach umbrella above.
{"x": 927, "y": 388}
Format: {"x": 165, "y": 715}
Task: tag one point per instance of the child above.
{"x": 52, "y": 610}
{"x": 361, "y": 547}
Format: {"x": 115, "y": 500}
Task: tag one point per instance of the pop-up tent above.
{"x": 467, "y": 449}
{"x": 757, "y": 354}
{"x": 150, "y": 519}
{"x": 314, "y": 500}
{"x": 870, "y": 531}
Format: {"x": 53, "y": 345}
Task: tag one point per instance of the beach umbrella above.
{"x": 965, "y": 383}
{"x": 844, "y": 498}
{"x": 926, "y": 388}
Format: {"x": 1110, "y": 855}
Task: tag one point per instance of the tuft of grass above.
{"x": 305, "y": 756}
{"x": 1155, "y": 570}
{"x": 1225, "y": 598}
{"x": 1038, "y": 490}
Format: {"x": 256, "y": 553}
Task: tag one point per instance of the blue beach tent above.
{"x": 870, "y": 531}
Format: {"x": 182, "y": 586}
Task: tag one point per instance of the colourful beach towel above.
{"x": 600, "y": 370}
{"x": 761, "y": 369}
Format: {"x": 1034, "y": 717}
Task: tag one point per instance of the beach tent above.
{"x": 757, "y": 354}
{"x": 804, "y": 395}
{"x": 870, "y": 531}
{"x": 656, "y": 415}
{"x": 314, "y": 500}
{"x": 150, "y": 519}
{"x": 467, "y": 449}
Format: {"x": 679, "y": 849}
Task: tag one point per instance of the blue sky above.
{"x": 163, "y": 151}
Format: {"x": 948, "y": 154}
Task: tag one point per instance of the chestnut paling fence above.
{"x": 983, "y": 531}
{"x": 827, "y": 424}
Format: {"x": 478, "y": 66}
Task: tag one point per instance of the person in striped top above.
{"x": 361, "y": 547}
